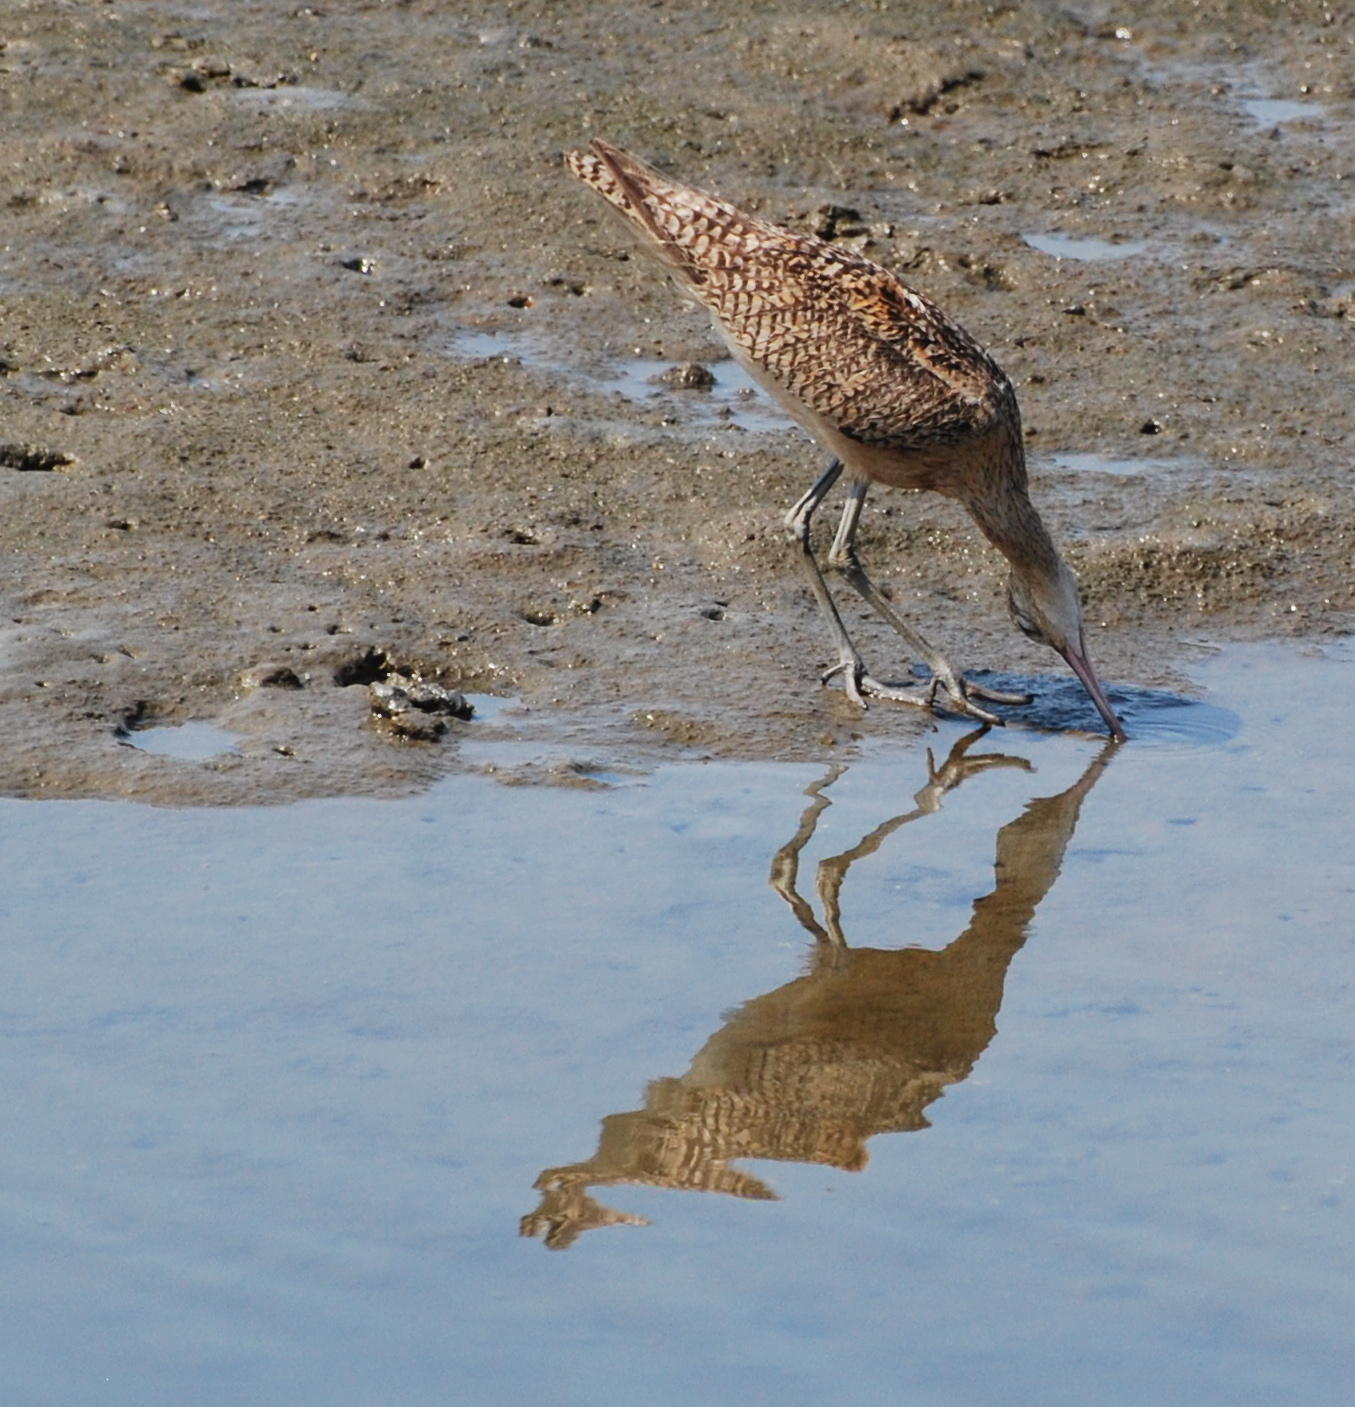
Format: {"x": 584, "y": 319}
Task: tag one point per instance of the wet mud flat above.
{"x": 1027, "y": 1078}
{"x": 316, "y": 368}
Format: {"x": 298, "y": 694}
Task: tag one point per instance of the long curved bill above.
{"x": 1082, "y": 667}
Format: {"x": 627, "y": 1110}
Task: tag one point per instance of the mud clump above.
{"x": 415, "y": 708}
{"x": 370, "y": 667}
{"x": 34, "y": 459}
{"x": 686, "y": 376}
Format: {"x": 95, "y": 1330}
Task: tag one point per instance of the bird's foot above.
{"x": 961, "y": 693}
{"x": 944, "y": 689}
{"x": 854, "y": 677}
{"x": 982, "y": 691}
{"x": 860, "y": 687}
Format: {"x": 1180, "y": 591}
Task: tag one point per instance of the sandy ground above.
{"x": 317, "y": 364}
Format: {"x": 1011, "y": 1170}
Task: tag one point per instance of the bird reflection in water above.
{"x": 859, "y": 1045}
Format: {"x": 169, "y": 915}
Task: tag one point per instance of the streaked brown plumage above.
{"x": 878, "y": 374}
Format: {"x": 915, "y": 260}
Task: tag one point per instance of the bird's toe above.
{"x": 999, "y": 696}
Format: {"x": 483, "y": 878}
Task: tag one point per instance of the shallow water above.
{"x": 1091, "y": 463}
{"x": 189, "y": 742}
{"x": 1085, "y": 247}
{"x": 1270, "y": 111}
{"x": 280, "y": 1082}
{"x": 734, "y": 400}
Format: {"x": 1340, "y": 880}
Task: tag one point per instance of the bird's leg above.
{"x": 842, "y": 558}
{"x": 786, "y": 861}
{"x": 849, "y": 663}
{"x": 959, "y": 767}
{"x": 857, "y": 684}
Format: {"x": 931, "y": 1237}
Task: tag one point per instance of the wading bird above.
{"x": 896, "y": 391}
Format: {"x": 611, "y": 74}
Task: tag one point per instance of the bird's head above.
{"x": 1046, "y": 607}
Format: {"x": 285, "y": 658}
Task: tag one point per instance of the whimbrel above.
{"x": 898, "y": 393}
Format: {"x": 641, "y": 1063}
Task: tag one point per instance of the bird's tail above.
{"x": 686, "y": 228}
{"x": 602, "y": 174}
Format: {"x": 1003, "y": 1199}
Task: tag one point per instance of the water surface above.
{"x": 285, "y": 1087}
{"x": 189, "y": 742}
{"x": 1270, "y": 111}
{"x": 1091, "y": 463}
{"x": 1084, "y": 247}
{"x": 735, "y": 400}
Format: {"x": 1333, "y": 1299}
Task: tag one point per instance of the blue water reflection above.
{"x": 279, "y": 1083}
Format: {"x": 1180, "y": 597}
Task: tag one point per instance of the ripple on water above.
{"x": 1061, "y": 705}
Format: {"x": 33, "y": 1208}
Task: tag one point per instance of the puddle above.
{"x": 244, "y": 216}
{"x": 1084, "y": 247}
{"x": 1107, "y": 464}
{"x": 189, "y": 742}
{"x": 493, "y": 708}
{"x": 1271, "y": 111}
{"x": 296, "y": 96}
{"x": 735, "y": 399}
{"x": 493, "y": 346}
{"x": 1032, "y": 1068}
{"x": 734, "y": 392}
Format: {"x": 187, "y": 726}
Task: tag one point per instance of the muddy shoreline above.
{"x": 311, "y": 355}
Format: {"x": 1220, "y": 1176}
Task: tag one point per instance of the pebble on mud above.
{"x": 686, "y": 376}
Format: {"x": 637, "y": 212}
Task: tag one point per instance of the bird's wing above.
{"x": 845, "y": 337}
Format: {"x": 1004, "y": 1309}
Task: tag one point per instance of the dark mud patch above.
{"x": 29, "y": 459}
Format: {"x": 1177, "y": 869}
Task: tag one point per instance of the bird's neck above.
{"x": 999, "y": 503}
